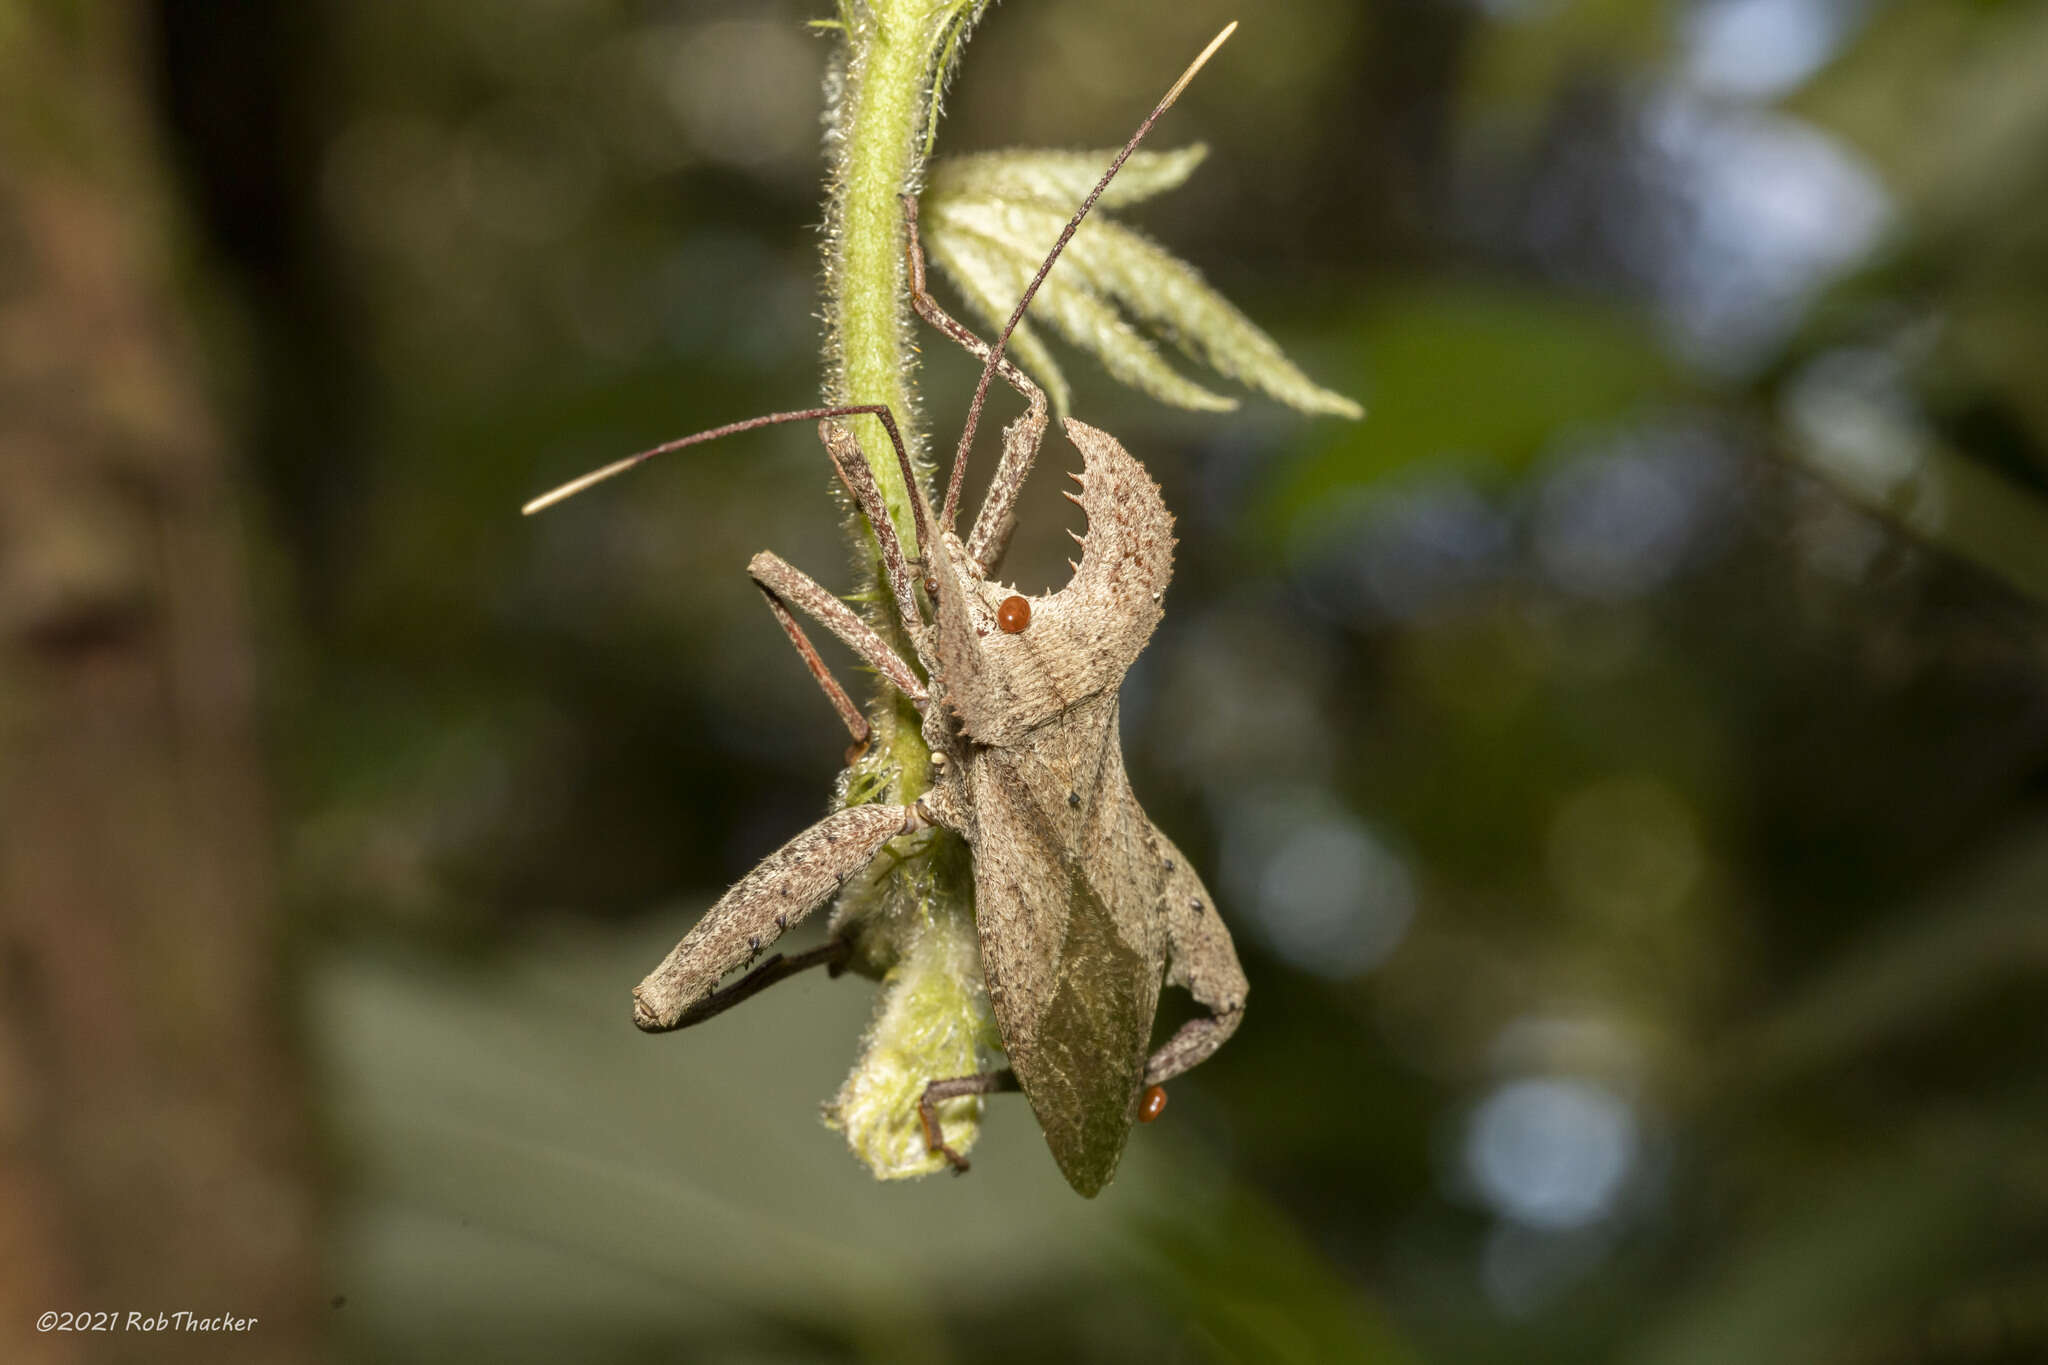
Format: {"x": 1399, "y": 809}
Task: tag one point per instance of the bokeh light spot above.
{"x": 1320, "y": 889}
{"x": 1551, "y": 1152}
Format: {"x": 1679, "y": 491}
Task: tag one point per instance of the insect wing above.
{"x": 1090, "y": 1062}
{"x": 1068, "y": 881}
{"x": 1072, "y": 946}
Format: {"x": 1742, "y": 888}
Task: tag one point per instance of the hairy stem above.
{"x": 884, "y": 107}
{"x": 884, "y": 113}
{"x": 934, "y": 1018}
{"x": 872, "y": 361}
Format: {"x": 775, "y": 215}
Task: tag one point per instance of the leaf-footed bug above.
{"x": 1082, "y": 907}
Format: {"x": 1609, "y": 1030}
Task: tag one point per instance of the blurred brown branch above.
{"x": 154, "y": 1149}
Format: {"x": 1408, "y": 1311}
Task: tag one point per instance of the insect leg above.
{"x": 1021, "y": 439}
{"x": 832, "y": 956}
{"x": 785, "y": 586}
{"x": 986, "y": 1083}
{"x": 990, "y": 535}
{"x": 860, "y": 483}
{"x": 787, "y": 885}
{"x": 929, "y": 309}
{"x": 856, "y": 723}
{"x": 1202, "y": 961}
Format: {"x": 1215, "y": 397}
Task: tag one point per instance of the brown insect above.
{"x": 1083, "y": 908}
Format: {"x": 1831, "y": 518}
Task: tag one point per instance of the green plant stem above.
{"x": 885, "y": 79}
{"x": 896, "y": 54}
{"x": 918, "y": 931}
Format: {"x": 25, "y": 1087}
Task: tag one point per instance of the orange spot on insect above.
{"x": 1013, "y": 615}
{"x": 1153, "y": 1104}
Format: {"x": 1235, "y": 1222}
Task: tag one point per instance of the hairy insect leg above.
{"x": 990, "y": 535}
{"x": 1202, "y": 961}
{"x": 785, "y": 586}
{"x": 985, "y": 1083}
{"x": 787, "y": 885}
{"x": 932, "y": 312}
{"x": 856, "y": 724}
{"x": 831, "y": 956}
{"x": 853, "y": 471}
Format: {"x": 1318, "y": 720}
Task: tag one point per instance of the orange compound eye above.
{"x": 1153, "y": 1104}
{"x": 1013, "y": 615}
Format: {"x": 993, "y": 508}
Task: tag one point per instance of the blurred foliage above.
{"x": 1620, "y": 757}
{"x": 990, "y": 219}
{"x": 1489, "y": 375}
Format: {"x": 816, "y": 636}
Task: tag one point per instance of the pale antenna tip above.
{"x": 577, "y": 485}
{"x": 1198, "y": 63}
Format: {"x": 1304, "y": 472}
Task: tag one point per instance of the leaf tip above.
{"x": 1329, "y": 403}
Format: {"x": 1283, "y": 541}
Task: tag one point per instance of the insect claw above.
{"x": 934, "y": 1140}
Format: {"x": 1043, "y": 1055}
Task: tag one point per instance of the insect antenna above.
{"x": 880, "y": 410}
{"x": 995, "y": 354}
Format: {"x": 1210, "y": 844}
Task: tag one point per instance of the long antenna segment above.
{"x": 880, "y": 410}
{"x": 988, "y": 369}
{"x": 995, "y": 354}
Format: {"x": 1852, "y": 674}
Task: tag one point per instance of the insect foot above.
{"x": 986, "y": 1083}
{"x": 932, "y": 1018}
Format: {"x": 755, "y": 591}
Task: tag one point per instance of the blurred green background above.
{"x": 1622, "y": 758}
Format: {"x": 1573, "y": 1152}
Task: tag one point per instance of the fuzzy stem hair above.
{"x": 918, "y": 906}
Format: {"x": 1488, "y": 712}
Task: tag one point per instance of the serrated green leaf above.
{"x": 990, "y": 219}
{"x": 1167, "y": 292}
{"x": 986, "y": 279}
{"x": 1076, "y": 312}
{"x": 1061, "y": 180}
